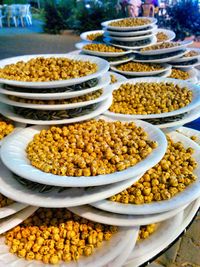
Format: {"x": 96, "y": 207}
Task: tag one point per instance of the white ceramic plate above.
{"x": 165, "y": 74}
{"x": 162, "y": 232}
{"x": 191, "y": 192}
{"x": 102, "y": 256}
{"x": 165, "y": 67}
{"x": 85, "y": 34}
{"x": 188, "y": 117}
{"x": 182, "y": 45}
{"x": 91, "y": 213}
{"x": 170, "y": 34}
{"x": 153, "y": 41}
{"x": 189, "y": 213}
{"x": 184, "y": 59}
{"x": 102, "y": 64}
{"x": 12, "y": 221}
{"x": 113, "y": 63}
{"x": 18, "y": 126}
{"x": 103, "y": 81}
{"x": 195, "y": 99}
{"x": 119, "y": 77}
{"x": 122, "y": 258}
{"x": 190, "y": 132}
{"x": 151, "y": 29}
{"x": 100, "y": 54}
{"x": 11, "y": 209}
{"x": 14, "y": 148}
{"x": 192, "y": 75}
{"x": 10, "y": 187}
{"x": 7, "y": 111}
{"x": 106, "y": 24}
{"x": 129, "y": 38}
{"x": 161, "y": 60}
{"x": 105, "y": 95}
{"x": 180, "y": 66}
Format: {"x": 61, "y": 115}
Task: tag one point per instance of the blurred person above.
{"x": 134, "y": 7}
{"x": 148, "y": 9}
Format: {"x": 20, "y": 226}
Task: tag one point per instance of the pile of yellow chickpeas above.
{"x": 89, "y": 148}
{"x": 42, "y": 69}
{"x": 165, "y": 180}
{"x": 57, "y": 235}
{"x": 149, "y": 98}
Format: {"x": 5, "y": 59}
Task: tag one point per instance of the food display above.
{"x": 83, "y": 98}
{"x": 48, "y": 115}
{"x": 48, "y": 69}
{"x": 89, "y": 148}
{"x": 95, "y": 36}
{"x": 161, "y": 37}
{"x": 179, "y": 74}
{"x": 4, "y": 201}
{"x": 130, "y": 22}
{"x": 161, "y": 97}
{"x": 102, "y": 48}
{"x": 160, "y": 46}
{"x": 146, "y": 230}
{"x": 192, "y": 53}
{"x": 139, "y": 67}
{"x": 169, "y": 177}
{"x": 57, "y": 235}
{"x": 6, "y": 127}
{"x": 95, "y": 169}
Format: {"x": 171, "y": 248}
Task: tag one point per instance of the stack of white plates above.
{"x": 172, "y": 216}
{"x": 187, "y": 62}
{"x": 164, "y": 70}
{"x": 170, "y": 120}
{"x": 21, "y": 181}
{"x": 48, "y": 114}
{"x": 78, "y": 190}
{"x": 162, "y": 55}
{"x": 132, "y": 37}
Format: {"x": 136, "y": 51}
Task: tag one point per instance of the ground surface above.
{"x": 15, "y": 42}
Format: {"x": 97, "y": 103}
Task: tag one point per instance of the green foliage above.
{"x": 84, "y": 18}
{"x": 75, "y": 15}
{"x": 183, "y": 18}
{"x": 56, "y": 15}
{"x": 11, "y": 2}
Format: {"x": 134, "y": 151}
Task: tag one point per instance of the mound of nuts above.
{"x": 4, "y": 201}
{"x": 57, "y": 235}
{"x": 94, "y": 36}
{"x": 130, "y": 22}
{"x": 87, "y": 97}
{"x": 89, "y": 148}
{"x": 191, "y": 53}
{"x": 5, "y": 128}
{"x": 102, "y": 48}
{"x": 161, "y": 37}
{"x": 165, "y": 180}
{"x": 149, "y": 98}
{"x": 179, "y": 74}
{"x": 139, "y": 67}
{"x": 160, "y": 46}
{"x": 146, "y": 230}
{"x": 47, "y": 69}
